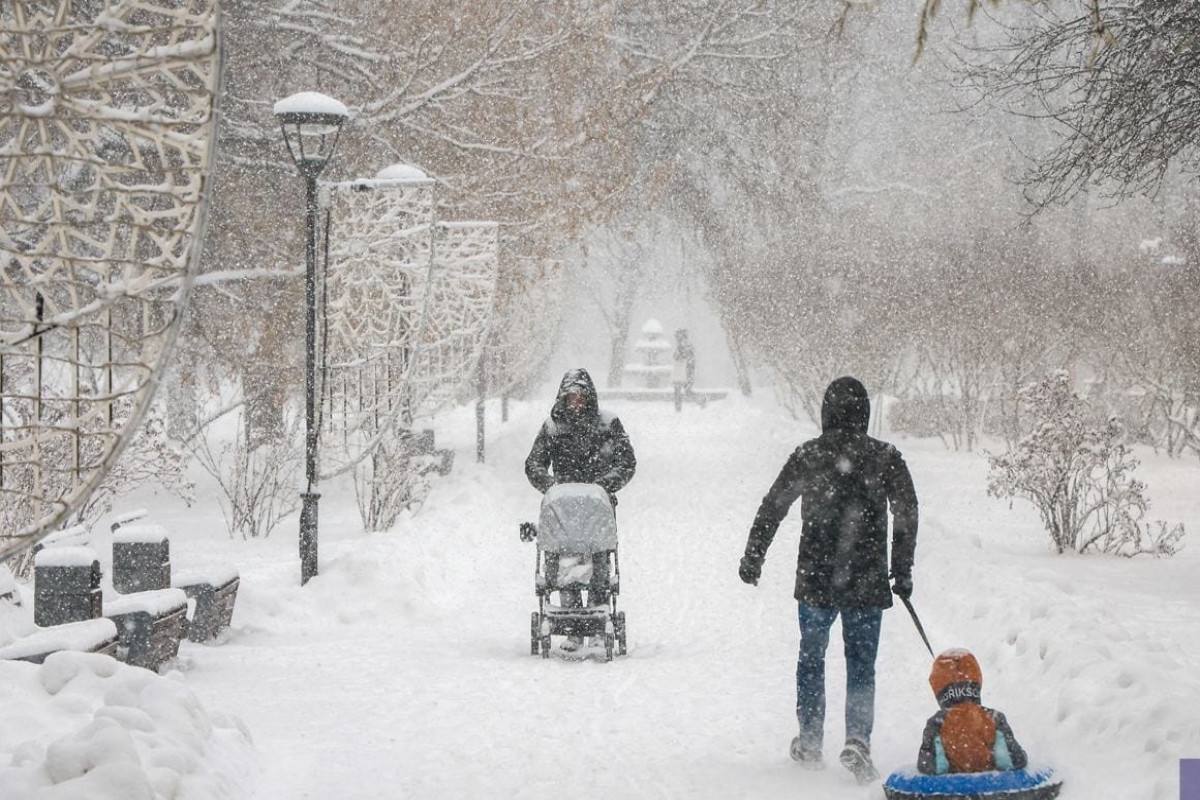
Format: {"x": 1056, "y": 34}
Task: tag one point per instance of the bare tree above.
{"x": 1117, "y": 81}
{"x": 532, "y": 115}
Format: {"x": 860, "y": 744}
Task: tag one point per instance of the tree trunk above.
{"x": 740, "y": 365}
{"x": 622, "y": 316}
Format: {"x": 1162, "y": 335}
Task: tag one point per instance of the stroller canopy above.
{"x": 577, "y": 518}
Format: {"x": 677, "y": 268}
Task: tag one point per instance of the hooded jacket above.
{"x": 588, "y": 447}
{"x": 848, "y": 481}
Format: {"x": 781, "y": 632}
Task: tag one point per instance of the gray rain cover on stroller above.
{"x": 577, "y": 518}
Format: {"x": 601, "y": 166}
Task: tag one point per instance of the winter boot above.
{"x": 856, "y": 757}
{"x": 806, "y": 757}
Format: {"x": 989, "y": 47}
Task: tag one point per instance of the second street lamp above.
{"x": 311, "y": 123}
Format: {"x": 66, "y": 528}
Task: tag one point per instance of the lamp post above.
{"x": 311, "y": 124}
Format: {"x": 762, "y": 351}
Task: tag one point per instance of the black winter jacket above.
{"x": 589, "y": 448}
{"x": 847, "y": 481}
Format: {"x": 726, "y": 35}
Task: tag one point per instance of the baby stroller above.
{"x": 576, "y": 525}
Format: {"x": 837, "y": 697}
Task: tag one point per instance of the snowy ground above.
{"x": 404, "y": 669}
{"x": 86, "y": 727}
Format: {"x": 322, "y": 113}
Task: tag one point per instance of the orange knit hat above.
{"x": 955, "y": 677}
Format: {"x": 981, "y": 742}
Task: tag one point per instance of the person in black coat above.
{"x": 847, "y": 481}
{"x": 579, "y": 443}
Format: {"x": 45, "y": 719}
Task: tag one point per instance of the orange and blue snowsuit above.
{"x": 964, "y": 736}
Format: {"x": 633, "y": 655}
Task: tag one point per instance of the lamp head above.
{"x": 311, "y": 123}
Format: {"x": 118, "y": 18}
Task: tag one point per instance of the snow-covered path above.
{"x": 404, "y": 669}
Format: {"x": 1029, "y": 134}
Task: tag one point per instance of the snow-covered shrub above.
{"x": 1078, "y": 472}
{"x": 394, "y": 478}
{"x": 152, "y": 458}
{"x": 258, "y": 479}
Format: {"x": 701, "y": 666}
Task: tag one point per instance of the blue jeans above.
{"x": 860, "y": 636}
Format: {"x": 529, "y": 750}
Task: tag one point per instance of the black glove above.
{"x": 902, "y": 586}
{"x": 750, "y": 569}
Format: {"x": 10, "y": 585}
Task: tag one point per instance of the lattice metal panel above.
{"x": 408, "y": 308}
{"x": 379, "y": 246}
{"x": 528, "y": 313}
{"x": 106, "y": 139}
{"x": 461, "y": 304}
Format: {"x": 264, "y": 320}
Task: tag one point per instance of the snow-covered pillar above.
{"x": 141, "y": 559}
{"x": 66, "y": 586}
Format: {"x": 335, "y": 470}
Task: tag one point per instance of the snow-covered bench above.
{"x": 214, "y": 592}
{"x": 141, "y": 558}
{"x": 87, "y": 636}
{"x": 127, "y": 517}
{"x": 142, "y": 562}
{"x": 150, "y": 625}
{"x": 67, "y": 607}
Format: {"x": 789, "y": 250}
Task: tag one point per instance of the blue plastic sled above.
{"x": 1015, "y": 784}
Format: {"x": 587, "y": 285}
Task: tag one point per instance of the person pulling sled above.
{"x": 847, "y": 481}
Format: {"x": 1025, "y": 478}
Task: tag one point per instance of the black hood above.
{"x": 846, "y": 407}
{"x": 580, "y": 380}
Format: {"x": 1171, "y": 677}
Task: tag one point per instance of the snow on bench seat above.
{"x": 128, "y": 517}
{"x": 74, "y": 536}
{"x": 214, "y": 576}
{"x": 87, "y": 636}
{"x": 155, "y": 603}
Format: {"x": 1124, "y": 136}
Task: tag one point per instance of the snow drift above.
{"x": 86, "y": 727}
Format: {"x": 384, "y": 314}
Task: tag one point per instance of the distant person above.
{"x": 579, "y": 443}
{"x": 683, "y": 375}
{"x": 964, "y": 735}
{"x": 847, "y": 481}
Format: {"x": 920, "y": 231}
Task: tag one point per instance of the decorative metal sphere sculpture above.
{"x": 107, "y": 130}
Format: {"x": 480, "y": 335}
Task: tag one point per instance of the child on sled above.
{"x": 965, "y": 736}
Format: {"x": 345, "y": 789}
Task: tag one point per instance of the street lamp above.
{"x": 311, "y": 124}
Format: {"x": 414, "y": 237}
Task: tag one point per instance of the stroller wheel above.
{"x": 619, "y": 630}
{"x": 609, "y": 640}
{"x": 535, "y": 631}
